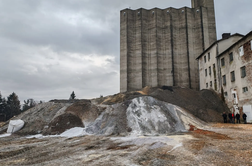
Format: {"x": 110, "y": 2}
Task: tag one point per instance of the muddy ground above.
{"x": 223, "y": 144}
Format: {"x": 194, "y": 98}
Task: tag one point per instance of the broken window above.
{"x": 209, "y": 70}
{"x": 232, "y": 74}
{"x": 224, "y": 80}
{"x": 205, "y": 72}
{"x": 241, "y": 51}
{"x": 245, "y": 89}
{"x": 222, "y": 62}
{"x": 243, "y": 72}
{"x": 231, "y": 57}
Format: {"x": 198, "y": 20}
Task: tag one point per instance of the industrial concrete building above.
{"x": 159, "y": 46}
{"x": 209, "y": 65}
{"x": 233, "y": 60}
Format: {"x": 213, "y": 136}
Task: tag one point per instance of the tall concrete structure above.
{"x": 159, "y": 46}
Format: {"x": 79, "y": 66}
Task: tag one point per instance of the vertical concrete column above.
{"x": 123, "y": 51}
{"x": 209, "y": 15}
{"x": 194, "y": 46}
{"x": 145, "y": 53}
{"x": 138, "y": 51}
{"x": 167, "y": 40}
{"x": 131, "y": 43}
{"x": 180, "y": 47}
{"x": 198, "y": 44}
{"x": 160, "y": 47}
{"x": 153, "y": 48}
{"x": 134, "y": 53}
{"x": 204, "y": 16}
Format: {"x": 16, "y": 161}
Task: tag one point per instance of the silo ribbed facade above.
{"x": 159, "y": 46}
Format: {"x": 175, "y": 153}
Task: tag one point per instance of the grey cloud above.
{"x": 37, "y": 39}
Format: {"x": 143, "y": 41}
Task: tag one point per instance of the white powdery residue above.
{"x": 35, "y": 136}
{"x": 141, "y": 103}
{"x": 175, "y": 147}
{"x": 140, "y": 114}
{"x": 5, "y": 135}
{"x": 189, "y": 119}
{"x": 153, "y": 142}
{"x": 73, "y": 132}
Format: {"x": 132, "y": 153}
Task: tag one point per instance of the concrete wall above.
{"x": 159, "y": 46}
{"x": 243, "y": 98}
{"x": 215, "y": 76}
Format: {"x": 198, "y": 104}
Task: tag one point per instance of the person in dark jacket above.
{"x": 244, "y": 116}
{"x": 230, "y": 117}
{"x": 224, "y": 115}
{"x": 233, "y": 118}
{"x": 237, "y": 116}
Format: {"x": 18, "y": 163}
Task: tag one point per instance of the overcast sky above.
{"x": 49, "y": 48}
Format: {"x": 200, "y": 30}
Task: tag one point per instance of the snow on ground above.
{"x": 5, "y": 135}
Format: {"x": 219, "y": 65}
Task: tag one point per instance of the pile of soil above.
{"x": 62, "y": 123}
{"x": 205, "y": 104}
{"x": 114, "y": 114}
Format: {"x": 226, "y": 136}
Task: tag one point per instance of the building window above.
{"x": 211, "y": 84}
{"x": 225, "y": 94}
{"x": 206, "y": 85}
{"x": 205, "y": 72}
{"x": 214, "y": 70}
{"x": 224, "y": 80}
{"x": 215, "y": 84}
{"x": 245, "y": 89}
{"x": 232, "y": 74}
{"x": 209, "y": 56}
{"x": 205, "y": 59}
{"x": 241, "y": 51}
{"x": 243, "y": 72}
{"x": 231, "y": 57}
{"x": 209, "y": 70}
{"x": 222, "y": 62}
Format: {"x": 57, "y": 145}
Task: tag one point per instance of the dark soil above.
{"x": 64, "y": 122}
{"x": 205, "y": 104}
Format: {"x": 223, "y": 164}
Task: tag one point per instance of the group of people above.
{"x": 232, "y": 117}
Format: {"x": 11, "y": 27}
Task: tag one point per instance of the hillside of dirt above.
{"x": 150, "y": 111}
{"x": 205, "y": 104}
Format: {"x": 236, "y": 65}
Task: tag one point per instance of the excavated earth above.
{"x": 153, "y": 126}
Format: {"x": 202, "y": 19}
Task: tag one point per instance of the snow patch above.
{"x": 5, "y": 135}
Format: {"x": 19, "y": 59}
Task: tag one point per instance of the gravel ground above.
{"x": 224, "y": 144}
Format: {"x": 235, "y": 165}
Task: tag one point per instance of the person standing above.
{"x": 224, "y": 115}
{"x": 244, "y": 116}
{"x": 233, "y": 118}
{"x": 230, "y": 117}
{"x": 237, "y": 117}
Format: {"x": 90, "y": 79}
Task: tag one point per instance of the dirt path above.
{"x": 225, "y": 144}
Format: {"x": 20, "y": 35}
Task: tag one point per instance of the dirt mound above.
{"x": 62, "y": 123}
{"x": 205, "y": 104}
{"x": 149, "y": 111}
{"x": 85, "y": 110}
